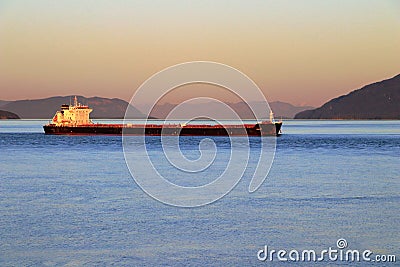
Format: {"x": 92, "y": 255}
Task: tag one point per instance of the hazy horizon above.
{"x": 303, "y": 52}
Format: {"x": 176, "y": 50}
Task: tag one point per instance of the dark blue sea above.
{"x": 71, "y": 200}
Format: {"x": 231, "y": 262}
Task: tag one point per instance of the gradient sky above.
{"x": 302, "y": 52}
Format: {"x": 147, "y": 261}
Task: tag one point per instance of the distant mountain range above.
{"x": 46, "y": 108}
{"x": 286, "y": 110}
{"x": 4, "y": 115}
{"x": 380, "y": 100}
{"x": 115, "y": 108}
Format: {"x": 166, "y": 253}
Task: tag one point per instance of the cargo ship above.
{"x": 75, "y": 120}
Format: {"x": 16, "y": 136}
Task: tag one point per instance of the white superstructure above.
{"x": 75, "y": 115}
{"x": 271, "y": 117}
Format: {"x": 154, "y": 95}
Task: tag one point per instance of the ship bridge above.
{"x": 72, "y": 115}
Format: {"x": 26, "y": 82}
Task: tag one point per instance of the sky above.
{"x": 301, "y": 52}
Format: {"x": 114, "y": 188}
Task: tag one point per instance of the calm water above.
{"x": 70, "y": 200}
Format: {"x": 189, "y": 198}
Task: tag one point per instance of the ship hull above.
{"x": 262, "y": 129}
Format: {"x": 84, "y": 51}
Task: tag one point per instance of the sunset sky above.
{"x": 302, "y": 52}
